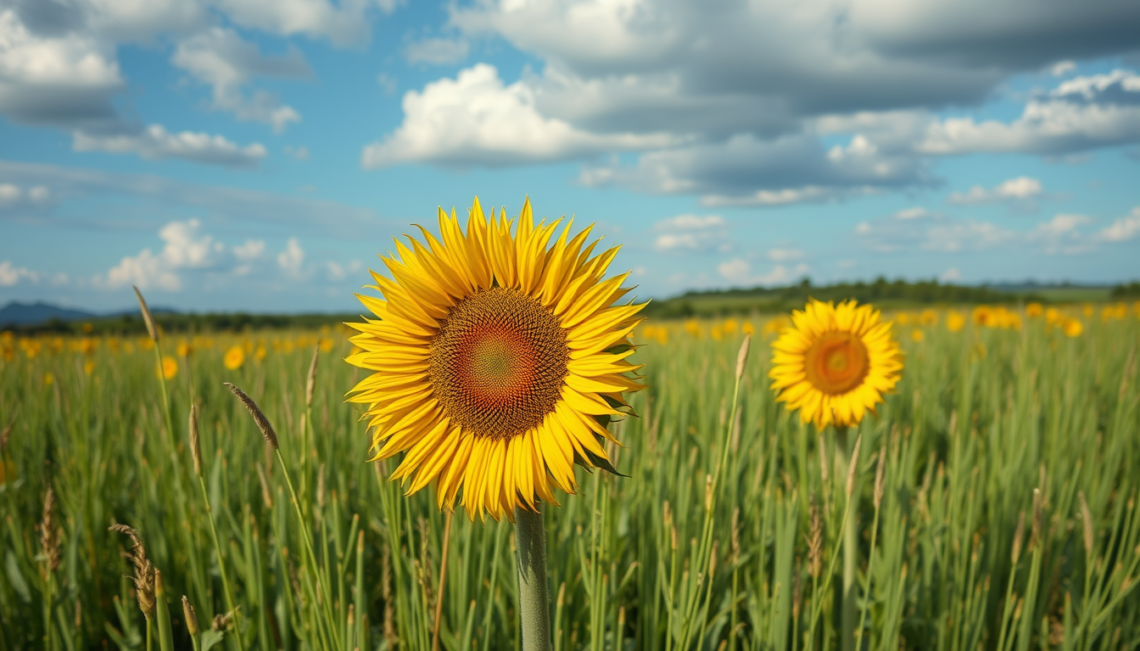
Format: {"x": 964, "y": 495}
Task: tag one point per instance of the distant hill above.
{"x": 19, "y": 314}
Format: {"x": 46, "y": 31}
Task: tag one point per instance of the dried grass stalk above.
{"x": 256, "y": 413}
{"x": 144, "y": 571}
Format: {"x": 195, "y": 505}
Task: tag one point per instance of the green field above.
{"x": 1005, "y": 517}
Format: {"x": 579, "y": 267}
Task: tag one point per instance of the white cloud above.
{"x": 337, "y": 271}
{"x": 11, "y": 275}
{"x": 690, "y": 222}
{"x": 692, "y": 233}
{"x": 950, "y": 275}
{"x": 298, "y": 153}
{"x": 387, "y": 82}
{"x": 9, "y": 194}
{"x": 475, "y": 119}
{"x": 185, "y": 248}
{"x": 1062, "y": 68}
{"x": 784, "y": 255}
{"x": 1123, "y": 229}
{"x": 739, "y": 272}
{"x": 246, "y": 254}
{"x": 345, "y": 23}
{"x": 154, "y": 142}
{"x": 912, "y": 213}
{"x": 436, "y": 50}
{"x": 1080, "y": 114}
{"x": 937, "y": 232}
{"x": 220, "y": 58}
{"x": 1019, "y": 189}
{"x": 292, "y": 259}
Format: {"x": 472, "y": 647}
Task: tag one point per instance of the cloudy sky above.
{"x": 258, "y": 154}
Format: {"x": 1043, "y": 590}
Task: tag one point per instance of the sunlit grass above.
{"x": 1000, "y": 418}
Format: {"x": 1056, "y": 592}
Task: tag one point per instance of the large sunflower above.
{"x": 835, "y": 363}
{"x": 498, "y": 360}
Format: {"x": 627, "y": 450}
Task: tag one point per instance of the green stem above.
{"x": 534, "y": 603}
{"x": 867, "y": 592}
{"x": 222, "y": 565}
{"x": 850, "y": 550}
{"x": 148, "y": 635}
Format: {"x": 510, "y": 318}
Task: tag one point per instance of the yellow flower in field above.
{"x": 917, "y": 335}
{"x": 1034, "y": 310}
{"x": 693, "y": 327}
{"x": 649, "y": 332}
{"x": 731, "y": 326}
{"x": 983, "y": 316}
{"x": 1053, "y": 316}
{"x": 928, "y": 317}
{"x": 1087, "y": 309}
{"x": 128, "y": 347}
{"x": 234, "y": 358}
{"x": 902, "y": 318}
{"x": 49, "y": 379}
{"x": 260, "y": 353}
{"x": 716, "y": 333}
{"x": 835, "y": 363}
{"x": 955, "y": 321}
{"x": 662, "y": 336}
{"x": 89, "y": 367}
{"x": 326, "y": 345}
{"x": 169, "y": 367}
{"x": 748, "y": 328}
{"x": 1073, "y": 328}
{"x": 775, "y": 325}
{"x": 145, "y": 343}
{"x": 184, "y": 349}
{"x": 498, "y": 359}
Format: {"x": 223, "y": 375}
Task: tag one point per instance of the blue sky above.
{"x": 244, "y": 154}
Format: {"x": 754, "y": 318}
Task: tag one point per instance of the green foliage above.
{"x": 983, "y": 421}
{"x": 1127, "y": 290}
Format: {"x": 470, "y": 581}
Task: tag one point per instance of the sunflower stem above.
{"x": 534, "y": 603}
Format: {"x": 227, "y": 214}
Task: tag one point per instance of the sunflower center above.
{"x": 836, "y": 363}
{"x": 498, "y": 362}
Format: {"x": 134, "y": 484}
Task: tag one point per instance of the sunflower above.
{"x": 498, "y": 360}
{"x": 835, "y": 363}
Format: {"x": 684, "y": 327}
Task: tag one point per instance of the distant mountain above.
{"x": 17, "y": 313}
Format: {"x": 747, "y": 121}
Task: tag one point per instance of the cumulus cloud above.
{"x": 1123, "y": 229}
{"x": 750, "y": 171}
{"x": 185, "y": 247}
{"x": 154, "y": 142}
{"x": 292, "y": 259}
{"x": 220, "y": 58}
{"x": 338, "y": 271}
{"x": 1019, "y": 189}
{"x": 1080, "y": 114}
{"x": 436, "y": 50}
{"x": 11, "y": 275}
{"x": 344, "y": 24}
{"x": 1062, "y": 234}
{"x": 692, "y": 233}
{"x": 475, "y": 119}
{"x": 738, "y": 271}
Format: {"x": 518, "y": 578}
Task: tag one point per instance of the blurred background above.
{"x": 236, "y": 155}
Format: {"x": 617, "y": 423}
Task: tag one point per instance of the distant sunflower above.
{"x": 498, "y": 360}
{"x": 835, "y": 363}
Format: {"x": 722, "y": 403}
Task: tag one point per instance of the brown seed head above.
{"x": 735, "y": 539}
{"x": 1016, "y": 554}
{"x": 258, "y": 417}
{"x": 742, "y": 356}
{"x": 147, "y": 318}
{"x": 880, "y": 477}
{"x": 195, "y": 445}
{"x": 266, "y": 494}
{"x": 851, "y": 470}
{"x": 190, "y": 616}
{"x": 49, "y": 534}
{"x": 1086, "y": 518}
{"x": 144, "y": 571}
{"x": 311, "y": 382}
{"x": 222, "y": 622}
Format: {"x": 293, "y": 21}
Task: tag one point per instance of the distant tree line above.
{"x": 1127, "y": 290}
{"x": 781, "y": 299}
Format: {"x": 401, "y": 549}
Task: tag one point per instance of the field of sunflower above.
{"x": 950, "y": 478}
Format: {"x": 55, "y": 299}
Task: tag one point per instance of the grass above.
{"x": 726, "y": 534}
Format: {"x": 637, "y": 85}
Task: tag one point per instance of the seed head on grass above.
{"x": 144, "y": 571}
{"x": 815, "y": 542}
{"x": 147, "y": 318}
{"x": 190, "y": 616}
{"x": 49, "y": 534}
{"x": 1086, "y": 519}
{"x": 1016, "y": 553}
{"x": 258, "y": 416}
{"x": 195, "y": 446}
{"x": 880, "y": 477}
{"x": 311, "y": 382}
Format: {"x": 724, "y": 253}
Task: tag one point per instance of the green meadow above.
{"x": 993, "y": 497}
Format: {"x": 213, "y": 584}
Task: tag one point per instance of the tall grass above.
{"x": 724, "y": 535}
